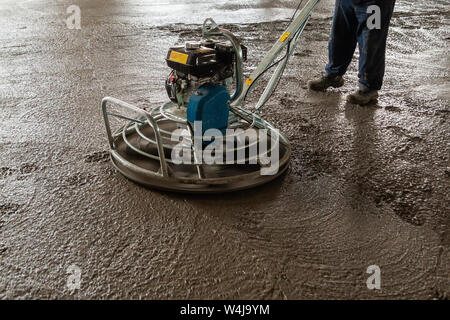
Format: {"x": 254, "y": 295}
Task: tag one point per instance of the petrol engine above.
{"x": 202, "y": 77}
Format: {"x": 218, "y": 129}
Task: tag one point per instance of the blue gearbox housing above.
{"x": 209, "y": 104}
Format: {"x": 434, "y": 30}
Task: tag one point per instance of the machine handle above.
{"x": 150, "y": 119}
{"x": 290, "y": 36}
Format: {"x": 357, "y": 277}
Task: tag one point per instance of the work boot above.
{"x": 323, "y": 83}
{"x": 363, "y": 96}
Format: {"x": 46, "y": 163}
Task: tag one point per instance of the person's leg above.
{"x": 341, "y": 47}
{"x": 372, "y": 42}
{"x": 342, "y": 43}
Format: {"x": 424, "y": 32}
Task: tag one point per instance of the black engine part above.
{"x": 202, "y": 59}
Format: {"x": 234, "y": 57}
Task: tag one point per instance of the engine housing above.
{"x": 209, "y": 104}
{"x": 198, "y": 63}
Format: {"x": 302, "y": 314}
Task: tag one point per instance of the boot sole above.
{"x": 362, "y": 103}
{"x": 337, "y": 85}
{"x": 325, "y": 89}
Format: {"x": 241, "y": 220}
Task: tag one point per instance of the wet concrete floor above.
{"x": 367, "y": 185}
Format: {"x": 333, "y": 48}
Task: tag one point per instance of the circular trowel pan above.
{"x": 185, "y": 178}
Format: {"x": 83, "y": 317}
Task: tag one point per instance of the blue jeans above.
{"x": 349, "y": 28}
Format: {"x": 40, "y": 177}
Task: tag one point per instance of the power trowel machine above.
{"x": 205, "y": 140}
